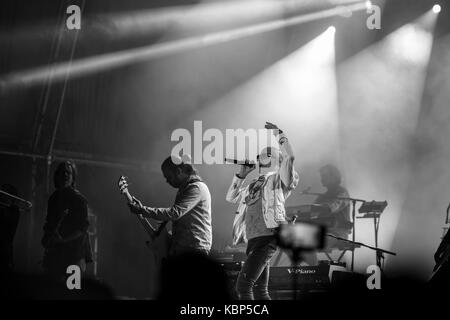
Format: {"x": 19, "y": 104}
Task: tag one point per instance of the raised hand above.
{"x": 271, "y": 126}
{"x": 245, "y": 170}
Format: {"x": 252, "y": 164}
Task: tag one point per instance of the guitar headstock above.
{"x": 123, "y": 184}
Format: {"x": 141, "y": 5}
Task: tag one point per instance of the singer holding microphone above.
{"x": 261, "y": 210}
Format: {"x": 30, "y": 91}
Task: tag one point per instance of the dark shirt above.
{"x": 9, "y": 220}
{"x": 339, "y": 209}
{"x": 67, "y": 213}
{"x": 190, "y": 216}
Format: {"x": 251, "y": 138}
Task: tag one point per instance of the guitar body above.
{"x": 160, "y": 245}
{"x": 159, "y": 238}
{"x": 159, "y": 242}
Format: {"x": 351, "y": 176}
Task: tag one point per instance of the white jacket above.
{"x": 276, "y": 189}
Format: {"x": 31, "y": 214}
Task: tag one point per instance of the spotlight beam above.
{"x": 91, "y": 65}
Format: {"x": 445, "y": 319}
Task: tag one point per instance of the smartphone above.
{"x": 303, "y": 236}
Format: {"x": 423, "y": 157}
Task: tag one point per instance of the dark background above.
{"x": 124, "y": 118}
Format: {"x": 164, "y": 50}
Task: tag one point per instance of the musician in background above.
{"x": 66, "y": 240}
{"x": 441, "y": 276}
{"x": 191, "y": 212}
{"x": 260, "y": 213}
{"x": 9, "y": 220}
{"x": 331, "y": 204}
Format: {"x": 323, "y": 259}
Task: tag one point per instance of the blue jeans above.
{"x": 253, "y": 279}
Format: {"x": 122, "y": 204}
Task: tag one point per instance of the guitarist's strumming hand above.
{"x": 136, "y": 206}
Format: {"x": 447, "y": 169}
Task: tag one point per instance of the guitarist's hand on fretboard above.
{"x": 136, "y": 206}
{"x": 158, "y": 235}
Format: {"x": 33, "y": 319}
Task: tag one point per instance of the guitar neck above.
{"x": 147, "y": 225}
{"x": 128, "y": 196}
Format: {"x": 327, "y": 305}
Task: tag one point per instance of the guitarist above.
{"x": 65, "y": 240}
{"x": 191, "y": 212}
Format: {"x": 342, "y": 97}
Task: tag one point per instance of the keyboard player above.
{"x": 329, "y": 210}
{"x": 330, "y": 206}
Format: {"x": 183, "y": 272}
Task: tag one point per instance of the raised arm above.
{"x": 289, "y": 177}
{"x": 235, "y": 190}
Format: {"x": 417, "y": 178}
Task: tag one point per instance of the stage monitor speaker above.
{"x": 348, "y": 281}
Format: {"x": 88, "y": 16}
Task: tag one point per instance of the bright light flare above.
{"x": 108, "y": 61}
{"x": 437, "y": 8}
{"x": 381, "y": 94}
{"x": 331, "y": 30}
{"x": 411, "y": 43}
{"x": 296, "y": 91}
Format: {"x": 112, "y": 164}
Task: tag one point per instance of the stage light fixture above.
{"x": 437, "y": 8}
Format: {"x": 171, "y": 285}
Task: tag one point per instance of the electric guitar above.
{"x": 159, "y": 242}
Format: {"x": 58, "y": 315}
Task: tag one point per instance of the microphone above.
{"x": 246, "y": 162}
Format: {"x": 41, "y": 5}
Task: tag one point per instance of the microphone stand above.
{"x": 380, "y": 252}
{"x": 28, "y": 204}
{"x": 353, "y": 201}
{"x": 296, "y": 258}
